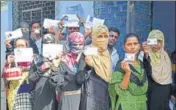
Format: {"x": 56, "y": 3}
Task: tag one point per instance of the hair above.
{"x": 131, "y": 35}
{"x": 27, "y": 44}
{"x": 114, "y": 30}
{"x": 33, "y": 22}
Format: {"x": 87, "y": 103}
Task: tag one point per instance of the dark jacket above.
{"x": 33, "y": 45}
{"x": 9, "y": 50}
{"x": 94, "y": 94}
{"x": 44, "y": 93}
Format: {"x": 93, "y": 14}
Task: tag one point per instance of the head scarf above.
{"x": 76, "y": 38}
{"x": 25, "y": 29}
{"x": 49, "y": 38}
{"x": 24, "y": 25}
{"x": 160, "y": 61}
{"x": 103, "y": 43}
{"x": 70, "y": 59}
{"x": 102, "y": 62}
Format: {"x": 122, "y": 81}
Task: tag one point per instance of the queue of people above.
{"x": 96, "y": 79}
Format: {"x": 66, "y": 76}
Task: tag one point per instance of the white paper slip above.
{"x": 91, "y": 21}
{"x": 14, "y": 34}
{"x": 71, "y": 20}
{"x": 49, "y": 22}
{"x": 23, "y": 54}
{"x": 98, "y": 21}
{"x": 51, "y": 51}
{"x": 70, "y": 17}
{"x": 129, "y": 57}
{"x": 71, "y": 24}
{"x": 91, "y": 51}
{"x": 151, "y": 41}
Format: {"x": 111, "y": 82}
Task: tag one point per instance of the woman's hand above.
{"x": 56, "y": 62}
{"x": 51, "y": 30}
{"x": 45, "y": 66}
{"x": 145, "y": 48}
{"x": 87, "y": 32}
{"x": 173, "y": 98}
{"x": 61, "y": 24}
{"x": 89, "y": 61}
{"x": 59, "y": 56}
{"x": 7, "y": 43}
{"x": 10, "y": 59}
{"x": 125, "y": 66}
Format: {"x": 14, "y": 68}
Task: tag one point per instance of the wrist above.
{"x": 128, "y": 73}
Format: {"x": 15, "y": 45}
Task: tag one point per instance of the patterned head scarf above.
{"x": 74, "y": 39}
{"x": 98, "y": 30}
{"x": 49, "y": 39}
{"x": 160, "y": 61}
{"x": 70, "y": 58}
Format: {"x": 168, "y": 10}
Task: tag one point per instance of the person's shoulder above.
{"x": 114, "y": 51}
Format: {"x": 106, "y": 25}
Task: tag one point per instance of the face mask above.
{"x": 101, "y": 44}
{"x": 26, "y": 34}
{"x": 37, "y": 31}
{"x": 76, "y": 49}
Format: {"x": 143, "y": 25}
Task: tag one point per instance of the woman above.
{"x": 95, "y": 90}
{"x": 65, "y": 79}
{"x": 128, "y": 85}
{"x": 40, "y": 74}
{"x": 161, "y": 75}
{"x": 19, "y": 96}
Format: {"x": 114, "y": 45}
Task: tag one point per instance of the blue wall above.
{"x": 142, "y": 25}
{"x": 164, "y": 19}
{"x": 115, "y": 14}
{"x": 82, "y": 8}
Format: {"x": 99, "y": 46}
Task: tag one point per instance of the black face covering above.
{"x": 26, "y": 34}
